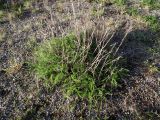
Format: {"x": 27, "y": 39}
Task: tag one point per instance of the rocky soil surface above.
{"x": 23, "y": 95}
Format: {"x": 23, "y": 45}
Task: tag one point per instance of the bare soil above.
{"x": 23, "y": 95}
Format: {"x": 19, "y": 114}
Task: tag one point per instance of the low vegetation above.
{"x": 84, "y": 59}
{"x": 82, "y": 65}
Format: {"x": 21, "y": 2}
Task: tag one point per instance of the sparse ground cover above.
{"x": 89, "y": 59}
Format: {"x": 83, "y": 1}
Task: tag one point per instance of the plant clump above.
{"x": 81, "y": 65}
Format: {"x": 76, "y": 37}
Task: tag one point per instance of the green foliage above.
{"x": 120, "y": 2}
{"x": 132, "y": 11}
{"x": 15, "y": 8}
{"x": 66, "y": 62}
{"x": 151, "y": 3}
{"x": 153, "y": 22}
{"x": 1, "y": 14}
{"x": 98, "y": 1}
